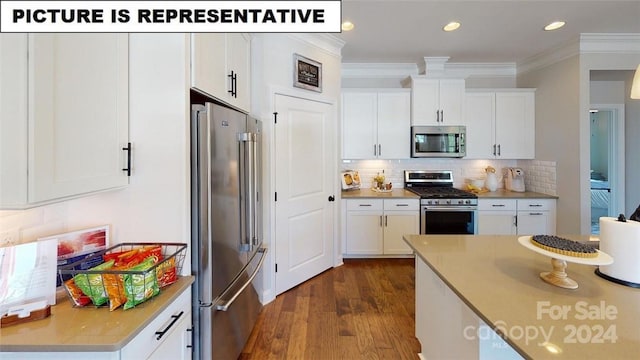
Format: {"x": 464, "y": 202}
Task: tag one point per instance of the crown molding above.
{"x": 587, "y": 43}
{"x": 470, "y": 70}
{"x": 327, "y": 42}
{"x": 451, "y": 70}
{"x": 591, "y": 43}
{"x": 378, "y": 70}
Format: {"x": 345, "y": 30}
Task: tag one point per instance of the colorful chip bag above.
{"x": 141, "y": 287}
{"x": 114, "y": 286}
{"x": 76, "y": 294}
{"x": 92, "y": 285}
{"x": 166, "y": 272}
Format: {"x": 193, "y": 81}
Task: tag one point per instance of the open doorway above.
{"x": 607, "y": 162}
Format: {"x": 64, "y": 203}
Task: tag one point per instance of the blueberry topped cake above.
{"x": 563, "y": 246}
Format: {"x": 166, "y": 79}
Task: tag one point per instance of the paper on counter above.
{"x": 28, "y": 274}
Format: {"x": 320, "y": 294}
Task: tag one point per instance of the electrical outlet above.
{"x": 9, "y": 237}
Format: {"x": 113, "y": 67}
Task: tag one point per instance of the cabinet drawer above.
{"x": 364, "y": 204}
{"x": 535, "y": 204}
{"x": 143, "y": 345}
{"x": 496, "y": 204}
{"x": 401, "y": 204}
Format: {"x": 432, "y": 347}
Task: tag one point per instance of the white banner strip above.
{"x": 171, "y": 16}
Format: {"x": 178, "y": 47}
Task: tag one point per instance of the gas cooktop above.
{"x": 438, "y": 186}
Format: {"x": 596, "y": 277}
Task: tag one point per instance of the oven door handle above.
{"x": 449, "y": 208}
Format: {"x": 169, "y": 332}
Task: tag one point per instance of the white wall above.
{"x": 562, "y": 130}
{"x": 156, "y": 204}
{"x": 557, "y": 134}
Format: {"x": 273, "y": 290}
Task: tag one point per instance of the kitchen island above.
{"x": 97, "y": 333}
{"x": 469, "y": 288}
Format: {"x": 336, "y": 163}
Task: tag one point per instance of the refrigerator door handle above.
{"x": 202, "y": 145}
{"x": 223, "y": 305}
{"x": 248, "y": 178}
{"x": 254, "y": 191}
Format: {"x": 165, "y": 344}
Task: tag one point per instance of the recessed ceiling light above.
{"x": 454, "y": 25}
{"x": 347, "y": 26}
{"x": 554, "y": 25}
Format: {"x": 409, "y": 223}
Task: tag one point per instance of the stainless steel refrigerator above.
{"x": 227, "y": 250}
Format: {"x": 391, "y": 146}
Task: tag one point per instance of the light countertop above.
{"x": 368, "y": 193}
{"x": 499, "y": 280}
{"x": 506, "y": 194}
{"x": 402, "y": 193}
{"x": 89, "y": 329}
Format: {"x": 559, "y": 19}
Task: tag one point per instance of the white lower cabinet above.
{"x": 536, "y": 216}
{"x": 497, "y": 217}
{"x": 376, "y": 226}
{"x": 168, "y": 336}
{"x": 516, "y": 216}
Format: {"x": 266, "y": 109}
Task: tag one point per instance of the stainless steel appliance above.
{"x": 438, "y": 141}
{"x": 443, "y": 208}
{"x": 226, "y": 222}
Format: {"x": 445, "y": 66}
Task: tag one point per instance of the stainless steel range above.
{"x": 443, "y": 208}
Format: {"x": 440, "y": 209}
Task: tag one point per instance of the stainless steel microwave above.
{"x": 438, "y": 141}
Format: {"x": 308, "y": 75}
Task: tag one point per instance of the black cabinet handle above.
{"x": 331, "y": 198}
{"x": 128, "y": 150}
{"x": 190, "y": 330}
{"x": 234, "y": 78}
{"x": 174, "y": 318}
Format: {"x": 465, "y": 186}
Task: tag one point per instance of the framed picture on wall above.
{"x": 307, "y": 73}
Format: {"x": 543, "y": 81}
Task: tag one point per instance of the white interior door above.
{"x": 304, "y": 180}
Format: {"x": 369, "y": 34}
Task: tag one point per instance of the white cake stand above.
{"x": 558, "y": 276}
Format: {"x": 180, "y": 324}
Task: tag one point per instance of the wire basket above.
{"x": 127, "y": 274}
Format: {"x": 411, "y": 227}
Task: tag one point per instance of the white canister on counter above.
{"x": 491, "y": 182}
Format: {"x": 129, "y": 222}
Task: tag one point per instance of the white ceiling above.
{"x": 400, "y": 31}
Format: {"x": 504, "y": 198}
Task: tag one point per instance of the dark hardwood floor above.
{"x": 364, "y": 309}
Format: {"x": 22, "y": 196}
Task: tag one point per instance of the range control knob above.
{"x": 460, "y": 201}
{"x": 448, "y": 202}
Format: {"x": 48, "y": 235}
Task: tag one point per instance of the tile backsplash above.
{"x": 540, "y": 176}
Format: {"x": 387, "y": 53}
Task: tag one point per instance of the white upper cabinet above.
{"x": 500, "y": 124}
{"x": 376, "y": 124}
{"x": 66, "y": 125}
{"x": 437, "y": 101}
{"x": 221, "y": 67}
